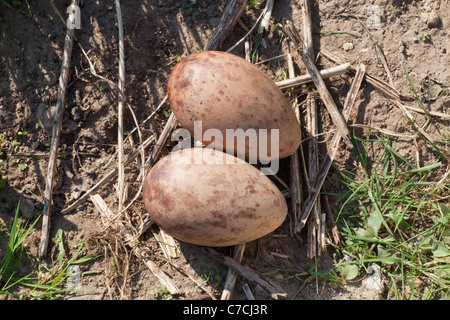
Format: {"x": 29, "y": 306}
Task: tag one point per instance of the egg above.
{"x": 229, "y": 99}
{"x": 210, "y": 198}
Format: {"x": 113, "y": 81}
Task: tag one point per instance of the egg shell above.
{"x": 210, "y": 198}
{"x": 224, "y": 91}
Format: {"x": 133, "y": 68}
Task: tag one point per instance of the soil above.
{"x": 412, "y": 34}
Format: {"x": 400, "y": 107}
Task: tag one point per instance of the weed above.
{"x": 23, "y": 133}
{"x": 422, "y": 106}
{"x": 397, "y": 224}
{"x": 5, "y": 4}
{"x": 424, "y": 36}
{"x": 44, "y": 283}
{"x": 21, "y": 165}
{"x": 190, "y": 6}
{"x": 161, "y": 292}
{"x": 14, "y": 249}
{"x": 255, "y": 3}
{"x": 2, "y": 177}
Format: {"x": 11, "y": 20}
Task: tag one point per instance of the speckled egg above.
{"x": 226, "y": 92}
{"x": 210, "y": 198}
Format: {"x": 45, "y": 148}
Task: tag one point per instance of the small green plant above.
{"x": 177, "y": 58}
{"x": 422, "y": 106}
{"x": 190, "y": 6}
{"x": 255, "y": 3}
{"x": 45, "y": 282}
{"x": 397, "y": 223}
{"x": 424, "y": 36}
{"x": 162, "y": 292}
{"x": 22, "y": 165}
{"x": 14, "y": 147}
{"x": 14, "y": 249}
{"x": 2, "y": 177}
{"x": 3, "y": 2}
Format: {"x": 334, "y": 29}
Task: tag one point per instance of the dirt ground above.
{"x": 412, "y": 34}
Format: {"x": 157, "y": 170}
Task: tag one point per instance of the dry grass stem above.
{"x": 315, "y": 190}
{"x": 384, "y": 131}
{"x": 230, "y": 281}
{"x": 319, "y": 83}
{"x": 247, "y": 34}
{"x": 106, "y": 178}
{"x": 304, "y": 79}
{"x": 315, "y": 244}
{"x": 265, "y": 283}
{"x": 248, "y": 292}
{"x": 266, "y": 19}
{"x": 296, "y": 186}
{"x": 331, "y": 221}
{"x": 121, "y": 85}
{"x": 137, "y": 250}
{"x": 229, "y": 18}
{"x": 162, "y": 141}
{"x": 57, "y": 125}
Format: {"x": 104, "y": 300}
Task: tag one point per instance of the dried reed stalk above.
{"x": 121, "y": 85}
{"x": 330, "y": 220}
{"x": 315, "y": 245}
{"x": 57, "y": 125}
{"x": 306, "y": 78}
{"x": 265, "y": 283}
{"x": 229, "y": 18}
{"x": 332, "y": 150}
{"x": 396, "y": 98}
{"x": 230, "y": 281}
{"x": 247, "y": 34}
{"x": 101, "y": 206}
{"x": 296, "y": 186}
{"x": 319, "y": 83}
{"x": 266, "y": 18}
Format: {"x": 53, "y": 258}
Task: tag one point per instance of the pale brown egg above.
{"x": 225, "y": 92}
{"x": 210, "y": 198}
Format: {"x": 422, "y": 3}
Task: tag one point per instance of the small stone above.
{"x": 433, "y": 20}
{"x": 373, "y": 9}
{"x": 401, "y": 46}
{"x": 27, "y": 209}
{"x": 374, "y": 22}
{"x": 373, "y": 280}
{"x": 46, "y": 116}
{"x": 76, "y": 113}
{"x": 348, "y": 46}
